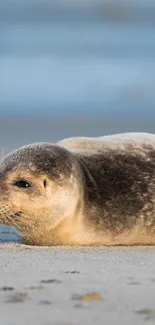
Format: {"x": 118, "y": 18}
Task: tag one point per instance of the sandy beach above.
{"x": 67, "y": 286}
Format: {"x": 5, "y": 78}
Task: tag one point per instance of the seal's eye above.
{"x": 22, "y": 183}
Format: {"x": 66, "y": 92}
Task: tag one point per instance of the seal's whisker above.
{"x": 28, "y": 222}
{"x": 12, "y": 221}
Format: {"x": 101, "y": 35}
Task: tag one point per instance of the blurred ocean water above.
{"x": 75, "y": 68}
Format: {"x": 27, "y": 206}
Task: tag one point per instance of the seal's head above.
{"x": 40, "y": 187}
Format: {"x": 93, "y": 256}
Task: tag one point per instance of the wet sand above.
{"x": 40, "y": 285}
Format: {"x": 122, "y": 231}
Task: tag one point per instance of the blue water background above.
{"x": 67, "y": 69}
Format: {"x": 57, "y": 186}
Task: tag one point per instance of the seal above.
{"x": 81, "y": 191}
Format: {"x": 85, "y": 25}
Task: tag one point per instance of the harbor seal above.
{"x": 82, "y": 191}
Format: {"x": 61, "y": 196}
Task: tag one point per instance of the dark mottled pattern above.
{"x": 124, "y": 187}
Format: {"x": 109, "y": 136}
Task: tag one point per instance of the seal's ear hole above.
{"x": 45, "y": 183}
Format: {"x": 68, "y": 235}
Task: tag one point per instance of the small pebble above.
{"x": 36, "y": 288}
{"x": 72, "y": 272}
{"x": 134, "y": 283}
{"x": 145, "y": 311}
{"x": 17, "y": 297}
{"x": 91, "y": 296}
{"x": 6, "y": 288}
{"x": 51, "y": 281}
{"x": 45, "y": 302}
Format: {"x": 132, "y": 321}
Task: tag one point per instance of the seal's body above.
{"x": 82, "y": 191}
